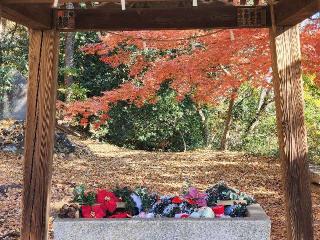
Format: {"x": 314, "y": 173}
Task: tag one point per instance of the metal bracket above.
{"x": 252, "y": 17}
{"x": 65, "y": 19}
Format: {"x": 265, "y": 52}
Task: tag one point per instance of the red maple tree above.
{"x": 208, "y": 65}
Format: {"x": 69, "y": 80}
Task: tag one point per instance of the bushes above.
{"x": 312, "y": 116}
{"x": 167, "y": 125}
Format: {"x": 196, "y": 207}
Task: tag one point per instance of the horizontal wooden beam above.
{"x": 81, "y": 1}
{"x": 166, "y": 18}
{"x": 35, "y": 16}
{"x": 75, "y": 1}
{"x": 292, "y": 12}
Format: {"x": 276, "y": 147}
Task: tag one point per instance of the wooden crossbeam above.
{"x": 171, "y": 18}
{"x": 34, "y": 16}
{"x": 291, "y": 12}
{"x": 256, "y": 2}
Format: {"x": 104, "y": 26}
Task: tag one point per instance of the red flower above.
{"x": 191, "y": 201}
{"x": 108, "y": 200}
{"x": 121, "y": 215}
{"x": 95, "y": 211}
{"x": 177, "y": 200}
{"x": 218, "y": 210}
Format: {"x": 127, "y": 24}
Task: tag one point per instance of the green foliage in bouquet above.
{"x": 221, "y": 191}
{"x": 83, "y": 198}
{"x": 147, "y": 198}
{"x": 124, "y": 194}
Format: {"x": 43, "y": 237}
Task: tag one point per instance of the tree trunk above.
{"x": 228, "y": 121}
{"x": 263, "y": 104}
{"x": 205, "y": 127}
{"x": 288, "y": 88}
{"x": 184, "y": 142}
{"x": 69, "y": 58}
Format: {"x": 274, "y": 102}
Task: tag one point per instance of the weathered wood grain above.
{"x": 38, "y": 16}
{"x": 39, "y": 135}
{"x": 287, "y": 80}
{"x": 288, "y": 12}
{"x": 203, "y": 16}
{"x": 256, "y": 2}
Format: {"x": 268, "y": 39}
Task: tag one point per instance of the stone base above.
{"x": 256, "y": 226}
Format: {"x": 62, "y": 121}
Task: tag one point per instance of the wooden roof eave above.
{"x": 39, "y": 14}
{"x": 34, "y": 16}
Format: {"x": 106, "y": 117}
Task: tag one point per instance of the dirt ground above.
{"x": 109, "y": 166}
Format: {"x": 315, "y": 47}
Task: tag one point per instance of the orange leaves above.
{"x": 115, "y": 60}
{"x": 205, "y": 65}
{"x": 138, "y": 66}
{"x": 84, "y": 122}
{"x": 311, "y": 49}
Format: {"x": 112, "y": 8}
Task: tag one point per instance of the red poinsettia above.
{"x": 107, "y": 200}
{"x": 95, "y": 211}
{"x": 177, "y": 200}
{"x": 121, "y": 215}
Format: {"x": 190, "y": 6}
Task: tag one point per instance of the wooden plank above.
{"x": 289, "y": 12}
{"x": 39, "y": 135}
{"x": 287, "y": 81}
{"x": 76, "y": 1}
{"x": 256, "y": 2}
{"x": 33, "y": 16}
{"x": 163, "y": 18}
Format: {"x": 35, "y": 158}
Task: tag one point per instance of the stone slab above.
{"x": 256, "y": 226}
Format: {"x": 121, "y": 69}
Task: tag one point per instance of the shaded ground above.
{"x": 163, "y": 172}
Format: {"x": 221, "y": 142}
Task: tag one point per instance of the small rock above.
{"x": 10, "y": 148}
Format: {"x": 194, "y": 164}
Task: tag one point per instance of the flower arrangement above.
{"x": 218, "y": 201}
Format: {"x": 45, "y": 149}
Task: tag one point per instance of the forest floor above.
{"x": 108, "y": 166}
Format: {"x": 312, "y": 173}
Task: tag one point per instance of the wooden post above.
{"x": 39, "y": 135}
{"x": 288, "y": 88}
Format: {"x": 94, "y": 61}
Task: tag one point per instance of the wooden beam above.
{"x": 33, "y": 16}
{"x": 287, "y": 81}
{"x": 168, "y": 18}
{"x": 256, "y": 2}
{"x": 292, "y": 12}
{"x": 39, "y": 135}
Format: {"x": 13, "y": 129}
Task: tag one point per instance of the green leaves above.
{"x": 147, "y": 198}
{"x": 13, "y": 55}
{"x": 83, "y": 198}
{"x": 124, "y": 194}
{"x": 166, "y": 125}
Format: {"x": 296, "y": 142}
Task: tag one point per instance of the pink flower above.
{"x": 194, "y": 196}
{"x": 107, "y": 200}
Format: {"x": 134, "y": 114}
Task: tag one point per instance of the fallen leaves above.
{"x": 110, "y": 166}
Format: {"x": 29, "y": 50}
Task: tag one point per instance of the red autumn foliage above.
{"x": 311, "y": 49}
{"x": 209, "y": 66}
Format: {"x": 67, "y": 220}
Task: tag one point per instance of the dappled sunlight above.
{"x": 162, "y": 172}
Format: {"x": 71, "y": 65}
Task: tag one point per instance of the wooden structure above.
{"x": 46, "y": 18}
